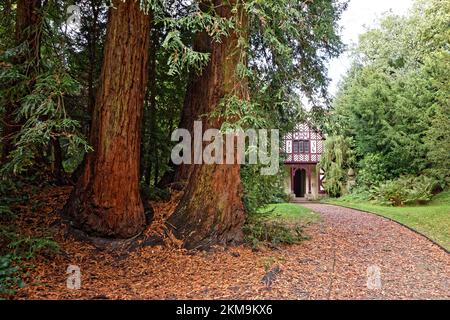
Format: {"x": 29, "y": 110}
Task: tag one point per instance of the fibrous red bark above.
{"x": 211, "y": 210}
{"x": 106, "y": 200}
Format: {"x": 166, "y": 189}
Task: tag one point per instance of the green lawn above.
{"x": 432, "y": 220}
{"x": 290, "y": 213}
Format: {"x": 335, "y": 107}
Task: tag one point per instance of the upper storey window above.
{"x": 301, "y": 146}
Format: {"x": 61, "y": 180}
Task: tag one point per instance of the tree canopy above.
{"x": 394, "y": 102}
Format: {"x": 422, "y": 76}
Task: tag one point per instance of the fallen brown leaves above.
{"x": 159, "y": 226}
{"x": 332, "y": 264}
{"x": 161, "y": 272}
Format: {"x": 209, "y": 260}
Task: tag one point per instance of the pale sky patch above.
{"x": 359, "y": 16}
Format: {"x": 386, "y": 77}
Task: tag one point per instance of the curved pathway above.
{"x": 351, "y": 241}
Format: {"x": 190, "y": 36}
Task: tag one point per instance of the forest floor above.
{"x": 332, "y": 264}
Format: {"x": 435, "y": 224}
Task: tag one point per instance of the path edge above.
{"x": 395, "y": 221}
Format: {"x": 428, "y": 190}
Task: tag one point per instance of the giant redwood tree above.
{"x": 211, "y": 210}
{"x": 106, "y": 200}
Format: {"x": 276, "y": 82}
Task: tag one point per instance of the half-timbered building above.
{"x": 303, "y": 149}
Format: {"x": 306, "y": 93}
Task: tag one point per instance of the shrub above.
{"x": 260, "y": 229}
{"x": 358, "y": 194}
{"x": 9, "y": 276}
{"x": 260, "y": 190}
{"x": 437, "y": 142}
{"x": 5, "y": 212}
{"x": 336, "y": 160}
{"x": 372, "y": 170}
{"x": 404, "y": 191}
{"x": 28, "y": 247}
{"x": 441, "y": 175}
{"x": 16, "y": 251}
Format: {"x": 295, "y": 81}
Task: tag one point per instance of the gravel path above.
{"x": 332, "y": 264}
{"x": 347, "y": 242}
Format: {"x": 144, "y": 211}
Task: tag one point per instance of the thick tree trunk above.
{"x": 211, "y": 210}
{"x": 28, "y": 21}
{"x": 106, "y": 201}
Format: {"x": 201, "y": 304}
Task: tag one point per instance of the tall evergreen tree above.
{"x": 211, "y": 210}
{"x": 106, "y": 201}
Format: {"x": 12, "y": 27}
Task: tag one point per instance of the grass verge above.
{"x": 431, "y": 220}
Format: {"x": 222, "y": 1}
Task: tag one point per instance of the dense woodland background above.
{"x": 94, "y": 105}
{"x": 390, "y": 120}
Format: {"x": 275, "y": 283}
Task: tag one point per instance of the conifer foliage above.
{"x": 91, "y": 92}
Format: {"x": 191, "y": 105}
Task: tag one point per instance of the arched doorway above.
{"x": 300, "y": 183}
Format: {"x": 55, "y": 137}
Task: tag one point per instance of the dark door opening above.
{"x": 300, "y": 183}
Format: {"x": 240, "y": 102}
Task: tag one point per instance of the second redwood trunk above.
{"x": 211, "y": 210}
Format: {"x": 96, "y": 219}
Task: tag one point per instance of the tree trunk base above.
{"x": 98, "y": 221}
{"x": 211, "y": 211}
